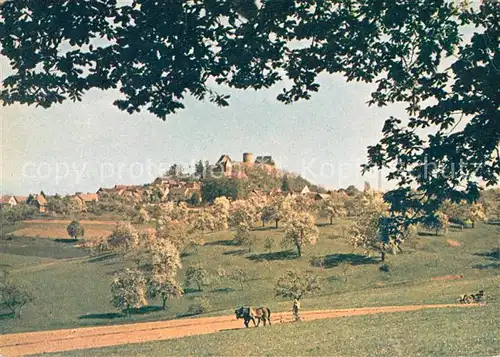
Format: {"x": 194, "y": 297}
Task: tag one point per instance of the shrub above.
{"x": 197, "y": 276}
{"x": 243, "y": 237}
{"x": 98, "y": 247}
{"x": 345, "y": 267}
{"x": 317, "y": 262}
{"x": 239, "y": 275}
{"x": 269, "y": 244}
{"x": 199, "y": 306}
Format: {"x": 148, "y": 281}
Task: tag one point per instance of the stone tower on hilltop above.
{"x": 248, "y": 158}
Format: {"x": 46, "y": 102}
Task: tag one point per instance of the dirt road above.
{"x": 21, "y": 344}
{"x": 67, "y": 221}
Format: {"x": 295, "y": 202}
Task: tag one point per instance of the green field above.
{"x": 72, "y": 288}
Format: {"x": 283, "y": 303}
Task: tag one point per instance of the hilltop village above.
{"x": 253, "y": 175}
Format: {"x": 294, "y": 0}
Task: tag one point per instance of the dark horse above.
{"x": 250, "y": 314}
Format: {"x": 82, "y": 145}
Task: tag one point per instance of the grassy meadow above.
{"x": 442, "y": 332}
{"x": 57, "y": 230}
{"x": 72, "y": 288}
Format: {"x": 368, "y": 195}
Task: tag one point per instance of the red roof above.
{"x": 89, "y": 197}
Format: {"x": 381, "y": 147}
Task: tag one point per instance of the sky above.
{"x": 79, "y": 147}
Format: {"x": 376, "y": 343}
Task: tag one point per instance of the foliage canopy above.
{"x": 157, "y": 53}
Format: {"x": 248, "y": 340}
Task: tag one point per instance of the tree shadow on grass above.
{"x": 282, "y": 255}
{"x": 66, "y": 240}
{"x": 266, "y": 228}
{"x": 327, "y": 224}
{"x": 186, "y": 314}
{"x": 486, "y": 266}
{"x": 104, "y": 316}
{"x": 114, "y": 315}
{"x": 191, "y": 291}
{"x": 222, "y": 290}
{"x": 145, "y": 310}
{"x": 236, "y": 252}
{"x": 494, "y": 254}
{"x": 102, "y": 258}
{"x": 426, "y": 234}
{"x": 7, "y": 315}
{"x": 221, "y": 242}
{"x": 333, "y": 260}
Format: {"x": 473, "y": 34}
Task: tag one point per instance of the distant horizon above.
{"x": 190, "y": 171}
{"x": 85, "y": 145}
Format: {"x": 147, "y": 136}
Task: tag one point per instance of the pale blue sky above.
{"x": 90, "y": 144}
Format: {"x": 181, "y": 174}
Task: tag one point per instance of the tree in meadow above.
{"x": 75, "y": 230}
{"x": 437, "y": 222}
{"x": 220, "y": 212}
{"x": 128, "y": 289}
{"x": 334, "y": 206}
{"x": 476, "y": 212}
{"x": 294, "y": 284}
{"x": 242, "y": 213}
{"x": 197, "y": 276}
{"x": 300, "y": 230}
{"x": 165, "y": 264}
{"x": 124, "y": 238}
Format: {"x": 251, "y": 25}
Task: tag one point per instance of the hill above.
{"x": 72, "y": 289}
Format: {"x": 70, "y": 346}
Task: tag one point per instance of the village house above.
{"x": 13, "y": 200}
{"x": 321, "y": 196}
{"x": 167, "y": 181}
{"x": 83, "y": 199}
{"x": 123, "y": 190}
{"x": 223, "y": 166}
{"x": 39, "y": 201}
{"x": 305, "y": 190}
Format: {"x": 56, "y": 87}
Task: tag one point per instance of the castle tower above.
{"x": 248, "y": 158}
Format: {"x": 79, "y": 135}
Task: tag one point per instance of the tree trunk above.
{"x": 277, "y": 223}
{"x": 199, "y": 286}
{"x": 19, "y": 314}
{"x": 382, "y": 256}
{"x": 164, "y": 302}
{"x": 298, "y": 250}
{"x": 263, "y": 223}
{"x": 437, "y": 231}
{"x": 331, "y": 220}
{"x": 473, "y": 224}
